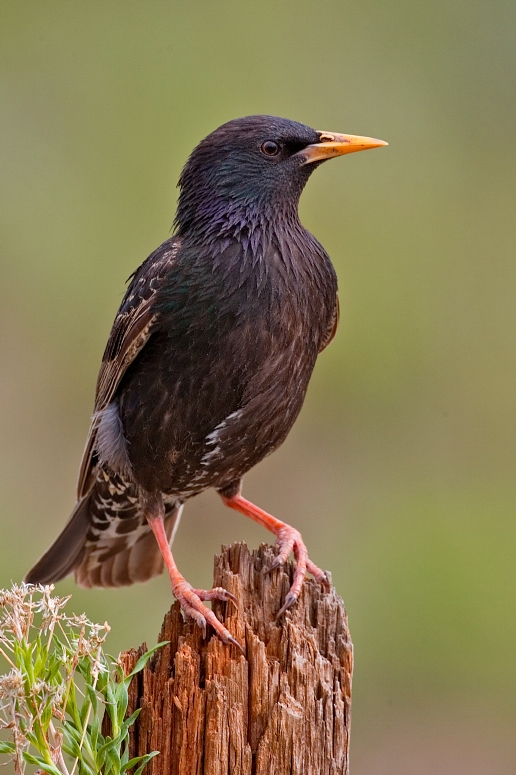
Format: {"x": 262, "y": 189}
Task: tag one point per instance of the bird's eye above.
{"x": 270, "y": 148}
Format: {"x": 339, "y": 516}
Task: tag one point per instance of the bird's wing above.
{"x": 332, "y": 328}
{"x": 134, "y": 324}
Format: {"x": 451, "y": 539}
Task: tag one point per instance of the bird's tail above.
{"x": 118, "y": 559}
{"x": 66, "y": 551}
{"x": 105, "y": 552}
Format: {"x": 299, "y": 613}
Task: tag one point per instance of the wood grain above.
{"x": 284, "y": 709}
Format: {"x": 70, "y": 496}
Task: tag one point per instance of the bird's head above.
{"x": 254, "y": 168}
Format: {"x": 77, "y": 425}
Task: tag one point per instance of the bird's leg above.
{"x": 189, "y": 599}
{"x": 288, "y": 539}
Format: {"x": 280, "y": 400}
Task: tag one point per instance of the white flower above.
{"x": 11, "y": 685}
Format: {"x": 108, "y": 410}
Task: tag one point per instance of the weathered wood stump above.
{"x": 284, "y": 709}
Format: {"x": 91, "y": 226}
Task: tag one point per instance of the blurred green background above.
{"x": 400, "y": 470}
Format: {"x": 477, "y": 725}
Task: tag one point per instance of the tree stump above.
{"x": 284, "y": 709}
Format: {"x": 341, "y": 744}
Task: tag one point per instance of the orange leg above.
{"x": 190, "y": 599}
{"x": 288, "y": 540}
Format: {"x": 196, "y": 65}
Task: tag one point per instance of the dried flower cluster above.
{"x": 46, "y": 719}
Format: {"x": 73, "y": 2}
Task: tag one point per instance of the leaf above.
{"x": 41, "y": 763}
{"x": 32, "y": 738}
{"x": 110, "y": 708}
{"x": 85, "y": 707}
{"x": 145, "y": 759}
{"x": 85, "y": 769}
{"x": 92, "y": 696}
{"x": 7, "y": 747}
{"x": 70, "y": 728}
{"x": 125, "y": 757}
{"x": 53, "y": 668}
{"x": 109, "y": 744}
{"x": 71, "y": 706}
{"x": 102, "y": 681}
{"x": 71, "y": 747}
{"x": 143, "y": 660}
{"x": 46, "y": 715}
{"x": 113, "y": 760}
{"x": 122, "y": 699}
{"x": 94, "y": 732}
{"x": 72, "y": 739}
{"x": 130, "y": 721}
{"x": 40, "y": 655}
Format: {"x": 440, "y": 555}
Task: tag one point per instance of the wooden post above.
{"x": 284, "y": 709}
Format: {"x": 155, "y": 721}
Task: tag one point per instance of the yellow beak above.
{"x": 332, "y": 144}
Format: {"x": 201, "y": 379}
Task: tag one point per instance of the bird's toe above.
{"x": 290, "y": 539}
{"x": 318, "y": 574}
{"x": 217, "y": 593}
{"x": 191, "y": 602}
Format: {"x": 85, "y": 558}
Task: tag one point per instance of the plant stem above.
{"x": 57, "y": 744}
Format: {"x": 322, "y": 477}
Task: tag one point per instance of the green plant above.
{"x": 57, "y": 686}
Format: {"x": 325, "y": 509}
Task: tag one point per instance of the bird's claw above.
{"x": 217, "y": 593}
{"x": 276, "y": 563}
{"x": 191, "y": 602}
{"x": 290, "y": 599}
{"x": 318, "y": 574}
{"x": 290, "y": 540}
{"x": 230, "y": 641}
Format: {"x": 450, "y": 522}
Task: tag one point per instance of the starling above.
{"x": 208, "y": 362}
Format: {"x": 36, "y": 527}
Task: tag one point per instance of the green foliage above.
{"x": 59, "y": 684}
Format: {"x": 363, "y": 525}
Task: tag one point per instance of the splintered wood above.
{"x": 284, "y": 709}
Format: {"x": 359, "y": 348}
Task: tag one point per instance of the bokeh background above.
{"x": 400, "y": 470}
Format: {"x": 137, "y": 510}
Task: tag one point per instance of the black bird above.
{"x": 208, "y": 362}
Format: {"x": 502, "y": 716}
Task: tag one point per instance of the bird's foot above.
{"x": 288, "y": 540}
{"x": 217, "y": 593}
{"x": 190, "y": 600}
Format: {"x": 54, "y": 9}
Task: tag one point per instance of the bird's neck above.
{"x": 217, "y": 222}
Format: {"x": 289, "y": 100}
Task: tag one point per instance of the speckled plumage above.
{"x": 210, "y": 354}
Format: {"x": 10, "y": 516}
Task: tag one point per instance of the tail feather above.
{"x": 107, "y": 540}
{"x": 129, "y": 564}
{"x": 66, "y": 551}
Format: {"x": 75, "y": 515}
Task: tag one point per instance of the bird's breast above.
{"x": 220, "y": 385}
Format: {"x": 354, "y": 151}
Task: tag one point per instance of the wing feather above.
{"x": 332, "y": 328}
{"x": 134, "y": 324}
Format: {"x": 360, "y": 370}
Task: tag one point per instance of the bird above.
{"x": 207, "y": 364}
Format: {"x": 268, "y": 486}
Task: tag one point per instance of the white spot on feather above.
{"x": 111, "y": 445}
{"x": 214, "y": 436}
